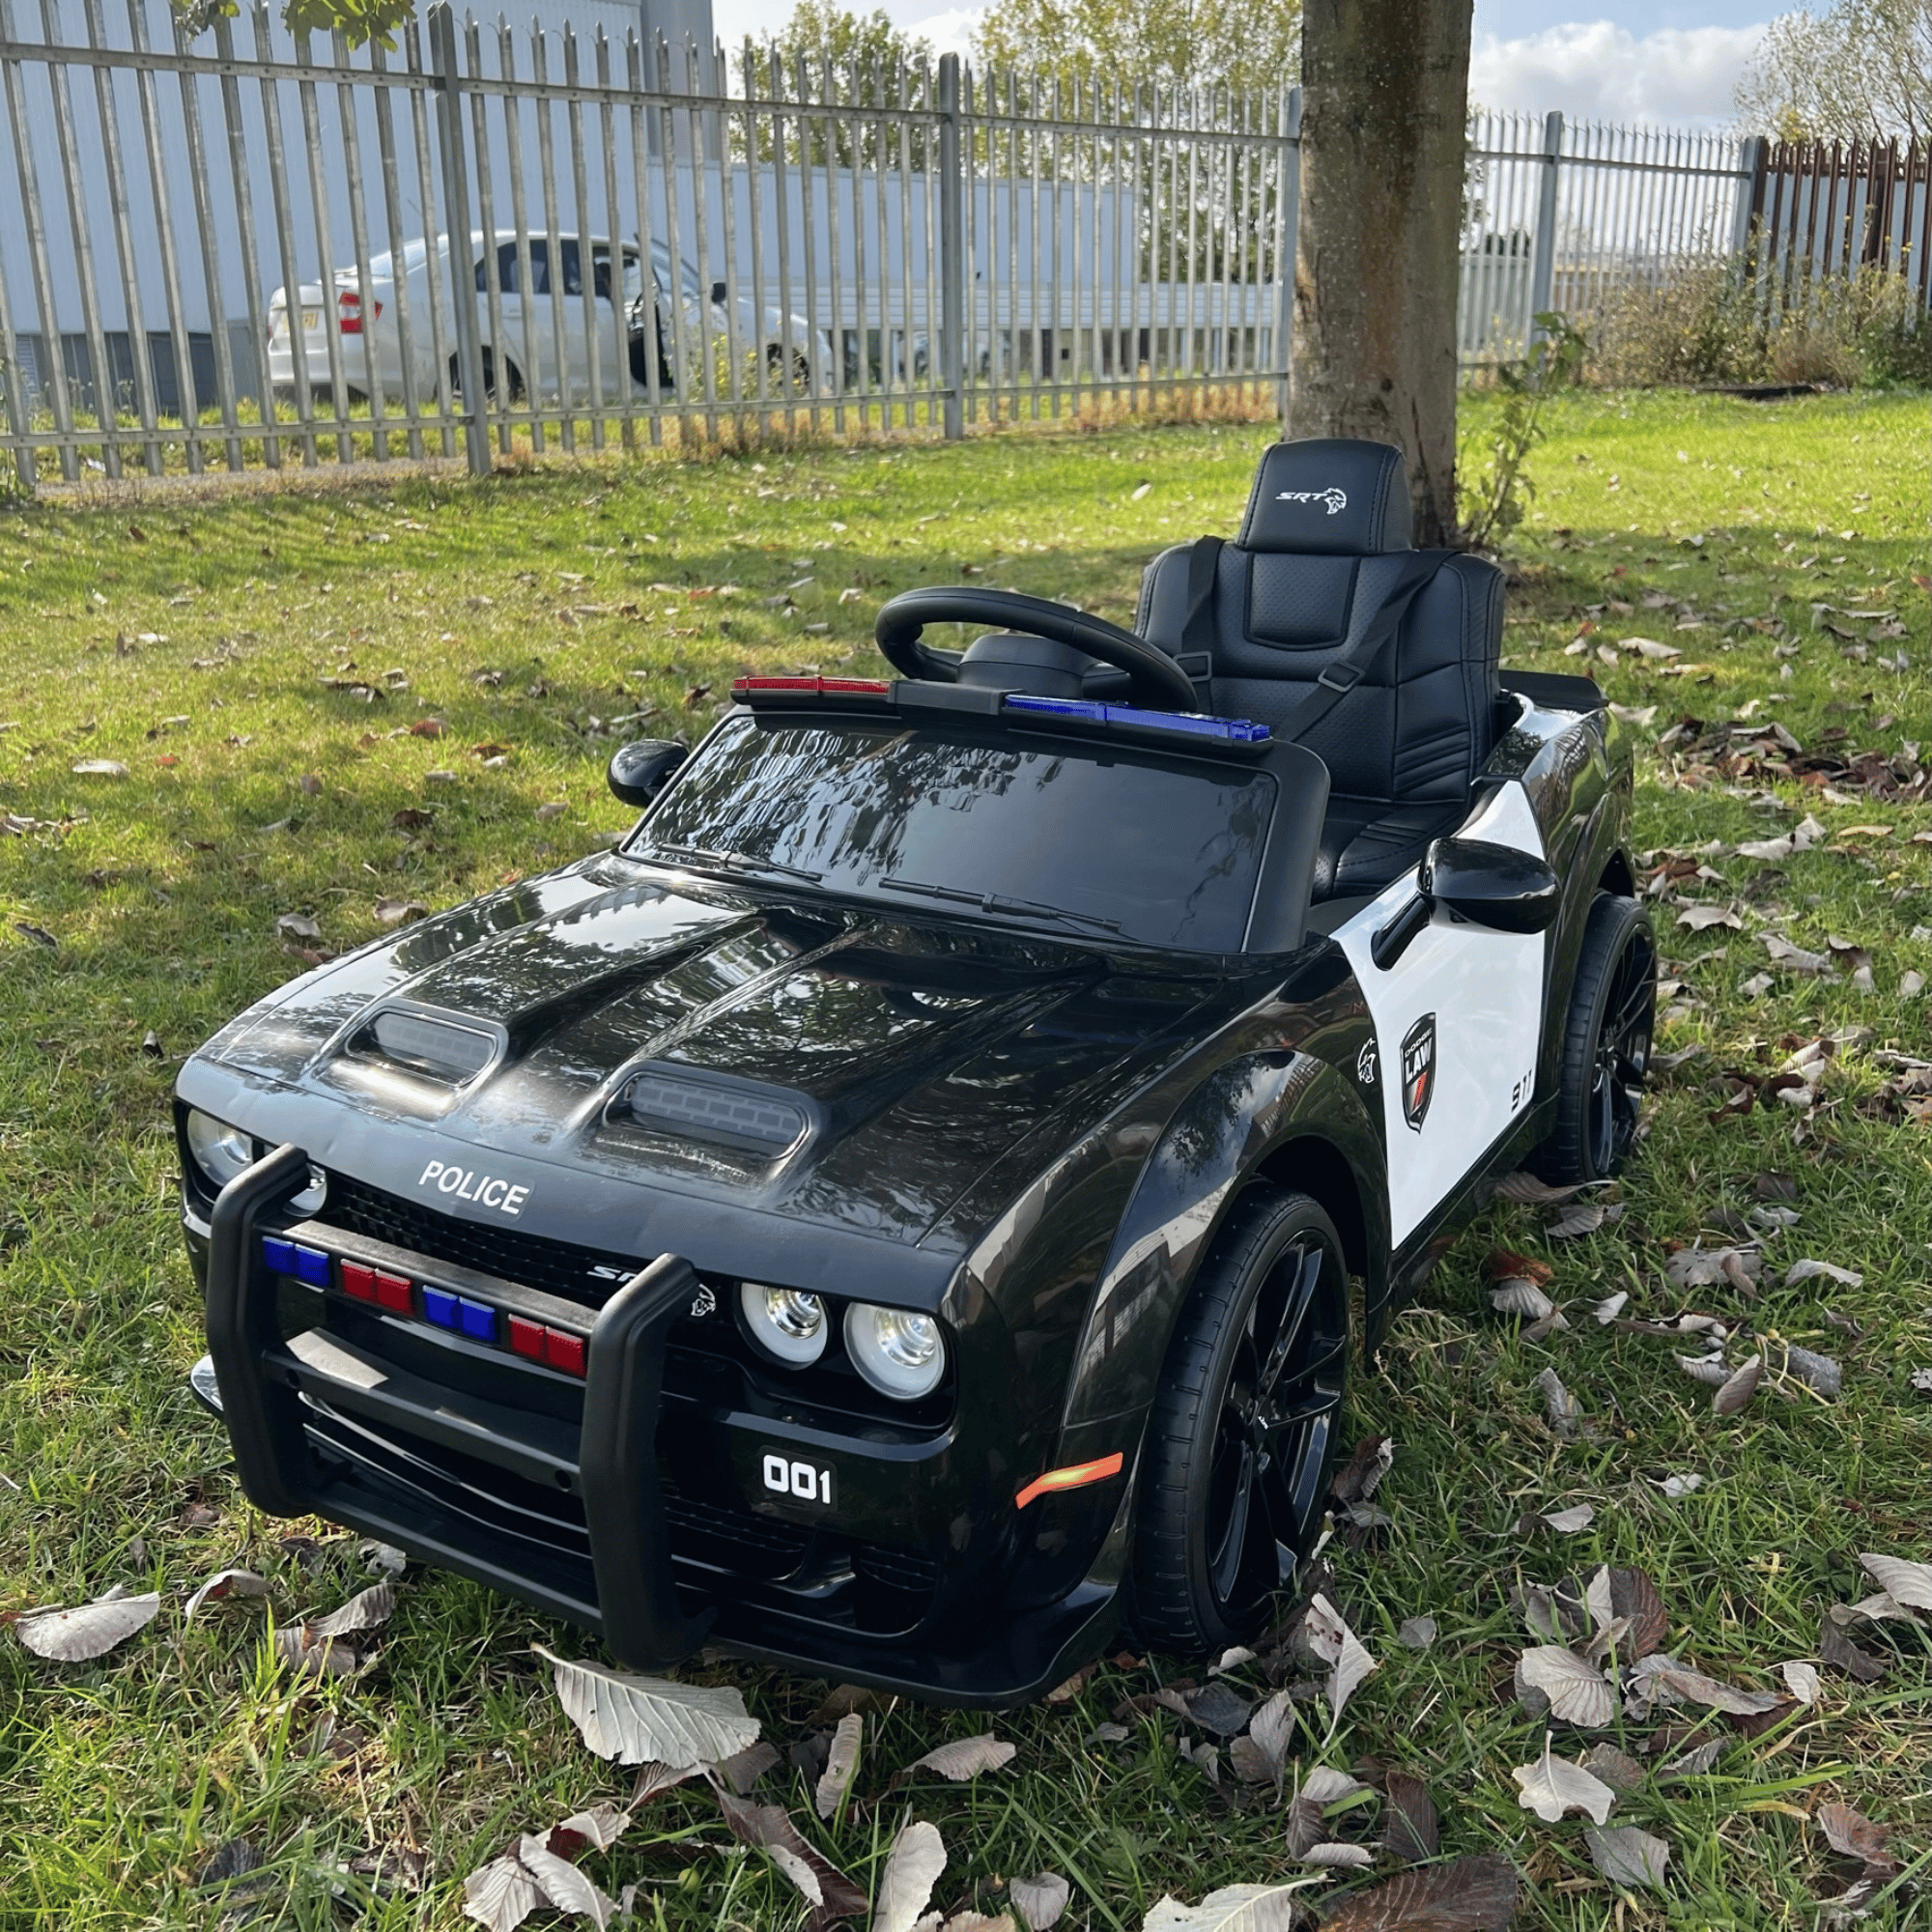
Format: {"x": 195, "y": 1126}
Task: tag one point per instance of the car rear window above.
{"x": 1165, "y": 852}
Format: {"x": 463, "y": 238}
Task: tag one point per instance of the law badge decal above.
{"x": 1418, "y": 1070}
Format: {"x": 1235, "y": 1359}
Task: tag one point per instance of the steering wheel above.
{"x": 1158, "y": 681}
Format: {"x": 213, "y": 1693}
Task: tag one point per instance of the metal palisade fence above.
{"x": 246, "y": 247}
{"x": 1567, "y": 215}
{"x": 236, "y": 246}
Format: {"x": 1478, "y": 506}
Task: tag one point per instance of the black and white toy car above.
{"x": 894, "y": 1214}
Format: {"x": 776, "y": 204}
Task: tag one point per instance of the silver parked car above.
{"x": 536, "y": 330}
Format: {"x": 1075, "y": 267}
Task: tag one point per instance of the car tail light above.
{"x": 349, "y": 312}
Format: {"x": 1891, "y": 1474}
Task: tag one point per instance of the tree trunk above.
{"x": 1385, "y": 88}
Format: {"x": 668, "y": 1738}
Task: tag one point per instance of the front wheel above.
{"x": 1605, "y": 1045}
{"x": 1242, "y": 1438}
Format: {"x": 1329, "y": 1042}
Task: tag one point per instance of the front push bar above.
{"x": 638, "y": 1609}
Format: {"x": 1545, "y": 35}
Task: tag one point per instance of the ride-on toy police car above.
{"x": 894, "y": 1214}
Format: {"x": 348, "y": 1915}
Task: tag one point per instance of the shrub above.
{"x": 1719, "y": 322}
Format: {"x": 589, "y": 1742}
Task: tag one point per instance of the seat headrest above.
{"x": 1333, "y": 495}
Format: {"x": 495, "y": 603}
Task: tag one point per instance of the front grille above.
{"x": 541, "y": 1530}
{"x": 558, "y": 1267}
{"x": 898, "y": 1569}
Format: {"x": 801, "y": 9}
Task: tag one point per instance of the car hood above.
{"x": 908, "y": 1052}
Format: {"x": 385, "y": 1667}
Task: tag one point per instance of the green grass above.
{"x": 185, "y": 637}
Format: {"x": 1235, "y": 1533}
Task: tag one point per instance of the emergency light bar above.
{"x": 1081, "y": 715}
{"x": 1229, "y": 730}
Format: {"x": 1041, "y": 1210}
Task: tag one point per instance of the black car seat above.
{"x": 1326, "y": 537}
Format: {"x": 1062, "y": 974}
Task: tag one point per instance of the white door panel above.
{"x": 1479, "y": 994}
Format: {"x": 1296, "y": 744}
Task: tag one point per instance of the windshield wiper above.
{"x": 998, "y": 902}
{"x": 737, "y": 861}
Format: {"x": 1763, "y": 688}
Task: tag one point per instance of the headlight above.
{"x": 310, "y": 1200}
{"x": 899, "y": 1352}
{"x": 220, "y": 1150}
{"x": 786, "y": 1322}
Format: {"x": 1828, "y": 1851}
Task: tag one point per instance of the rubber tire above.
{"x": 490, "y": 397}
{"x": 1564, "y": 1159}
{"x": 1173, "y": 1609}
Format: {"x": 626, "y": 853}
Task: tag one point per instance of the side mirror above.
{"x": 1490, "y": 885}
{"x": 1495, "y": 885}
{"x": 639, "y": 772}
{"x": 719, "y": 293}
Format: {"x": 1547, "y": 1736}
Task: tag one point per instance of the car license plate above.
{"x": 311, "y": 320}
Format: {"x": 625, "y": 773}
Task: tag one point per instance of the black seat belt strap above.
{"x": 1196, "y": 655}
{"x": 1366, "y": 657}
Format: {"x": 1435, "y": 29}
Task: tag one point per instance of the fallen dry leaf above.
{"x": 1854, "y": 1836}
{"x": 1559, "y": 1406}
{"x": 368, "y": 1609}
{"x": 1805, "y": 1270}
{"x": 1697, "y": 1689}
{"x": 1905, "y": 1582}
{"x": 1627, "y": 1594}
{"x": 1411, "y": 1829}
{"x": 1573, "y": 1691}
{"x": 1616, "y": 1767}
{"x": 1337, "y": 1645}
{"x": 501, "y": 1894}
{"x": 1625, "y": 1855}
{"x": 636, "y": 1720}
{"x": 1739, "y": 1387}
{"x": 1801, "y": 1679}
{"x": 1506, "y": 1265}
{"x": 1476, "y": 1895}
{"x": 1236, "y": 1908}
{"x": 1533, "y": 1190}
{"x": 1837, "y": 1649}
{"x": 912, "y": 1869}
{"x": 89, "y": 1629}
{"x": 223, "y": 1585}
{"x": 769, "y": 1828}
{"x": 1552, "y": 1785}
{"x": 965, "y": 1758}
{"x": 1039, "y": 1900}
{"x": 1568, "y": 1521}
{"x": 1584, "y": 1217}
{"x": 840, "y": 1763}
{"x": 1521, "y": 1298}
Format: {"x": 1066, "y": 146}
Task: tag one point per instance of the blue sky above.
{"x": 1618, "y": 60}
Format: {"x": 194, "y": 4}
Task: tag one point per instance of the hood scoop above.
{"x": 745, "y": 1116}
{"x": 427, "y": 1045}
{"x": 415, "y": 1058}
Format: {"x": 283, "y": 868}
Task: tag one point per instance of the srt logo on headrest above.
{"x": 1336, "y": 499}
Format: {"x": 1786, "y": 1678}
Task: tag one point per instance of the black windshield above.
{"x": 1090, "y": 841}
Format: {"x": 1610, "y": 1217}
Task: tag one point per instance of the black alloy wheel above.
{"x": 1244, "y": 1432}
{"x": 1605, "y": 1045}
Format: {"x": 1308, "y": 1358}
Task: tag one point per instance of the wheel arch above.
{"x": 1618, "y": 875}
{"x": 1288, "y": 1118}
{"x": 1311, "y": 1164}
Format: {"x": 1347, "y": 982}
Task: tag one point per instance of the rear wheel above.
{"x": 512, "y": 378}
{"x": 1244, "y": 1432}
{"x": 1605, "y": 1045}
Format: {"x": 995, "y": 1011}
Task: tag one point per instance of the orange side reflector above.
{"x": 1075, "y": 1477}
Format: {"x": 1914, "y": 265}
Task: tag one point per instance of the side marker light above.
{"x": 1075, "y": 1476}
